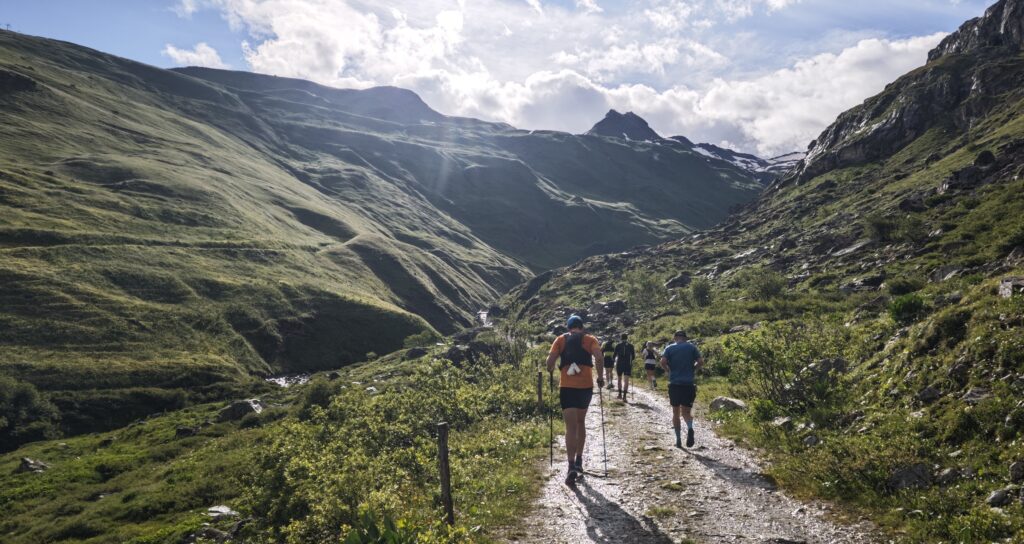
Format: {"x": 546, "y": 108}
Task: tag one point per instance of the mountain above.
{"x": 168, "y": 234}
{"x": 868, "y": 305}
{"x": 629, "y": 126}
{"x": 632, "y": 127}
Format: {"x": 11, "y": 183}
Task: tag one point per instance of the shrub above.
{"x": 421, "y": 339}
{"x": 762, "y": 284}
{"x": 903, "y": 286}
{"x": 700, "y": 292}
{"x": 763, "y": 410}
{"x": 880, "y": 227}
{"x": 25, "y": 415}
{"x": 643, "y": 289}
{"x": 793, "y": 365}
{"x": 905, "y": 309}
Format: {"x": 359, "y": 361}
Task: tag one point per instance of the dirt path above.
{"x": 656, "y": 493}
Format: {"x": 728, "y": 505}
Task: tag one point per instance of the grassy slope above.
{"x": 964, "y": 337}
{"x": 299, "y": 467}
{"x": 160, "y": 231}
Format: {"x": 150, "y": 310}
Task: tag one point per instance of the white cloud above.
{"x": 589, "y": 6}
{"x": 200, "y": 55}
{"x": 499, "y": 60}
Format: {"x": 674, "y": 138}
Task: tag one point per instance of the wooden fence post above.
{"x": 445, "y": 470}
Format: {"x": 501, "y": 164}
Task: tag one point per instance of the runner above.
{"x": 650, "y": 356}
{"x": 681, "y": 360}
{"x": 577, "y": 353}
{"x": 608, "y": 349}
{"x": 624, "y": 355}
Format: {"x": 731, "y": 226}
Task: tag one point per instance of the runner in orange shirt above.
{"x": 577, "y": 353}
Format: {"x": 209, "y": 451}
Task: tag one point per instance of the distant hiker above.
{"x": 681, "y": 360}
{"x": 650, "y": 356}
{"x": 608, "y": 349}
{"x": 624, "y": 355}
{"x": 577, "y": 353}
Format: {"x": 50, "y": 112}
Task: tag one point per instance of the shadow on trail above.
{"x": 608, "y": 523}
{"x": 734, "y": 474}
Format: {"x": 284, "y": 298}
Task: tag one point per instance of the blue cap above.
{"x": 574, "y": 322}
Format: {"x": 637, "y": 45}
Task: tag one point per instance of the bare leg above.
{"x": 572, "y": 444}
{"x": 687, "y": 417}
{"x": 625, "y": 389}
{"x": 581, "y": 431}
{"x": 675, "y": 425}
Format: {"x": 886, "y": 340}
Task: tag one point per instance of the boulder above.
{"x": 728, "y": 404}
{"x": 811, "y": 440}
{"x": 784, "y": 423}
{"x": 679, "y": 281}
{"x": 239, "y": 409}
{"x": 914, "y": 476}
{"x": 913, "y": 204}
{"x": 333, "y": 375}
{"x": 615, "y": 307}
{"x": 959, "y": 373}
{"x": 31, "y": 465}
{"x": 985, "y": 158}
{"x": 975, "y": 395}
{"x": 947, "y": 476}
{"x": 928, "y": 394}
{"x": 997, "y": 498}
{"x": 414, "y": 353}
{"x": 1017, "y": 472}
{"x": 1011, "y": 286}
{"x": 184, "y": 432}
{"x": 221, "y": 511}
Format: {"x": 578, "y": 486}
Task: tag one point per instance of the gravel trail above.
{"x": 655, "y": 493}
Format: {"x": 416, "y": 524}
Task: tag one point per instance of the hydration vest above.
{"x": 573, "y": 351}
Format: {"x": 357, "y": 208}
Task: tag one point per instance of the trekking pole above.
{"x": 551, "y": 423}
{"x": 604, "y": 446}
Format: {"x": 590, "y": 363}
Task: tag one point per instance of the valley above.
{"x": 171, "y": 238}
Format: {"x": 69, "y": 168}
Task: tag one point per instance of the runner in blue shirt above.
{"x": 681, "y": 360}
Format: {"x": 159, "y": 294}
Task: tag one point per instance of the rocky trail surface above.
{"x": 655, "y": 493}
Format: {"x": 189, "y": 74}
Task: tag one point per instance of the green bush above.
{"x": 644, "y": 289}
{"x": 905, "y": 309}
{"x": 763, "y": 410}
{"x": 421, "y": 340}
{"x": 25, "y": 415}
{"x": 700, "y": 292}
{"x": 377, "y": 452}
{"x": 880, "y": 227}
{"x": 903, "y": 286}
{"x": 796, "y": 366}
{"x": 762, "y": 283}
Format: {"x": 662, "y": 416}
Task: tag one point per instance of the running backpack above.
{"x": 573, "y": 351}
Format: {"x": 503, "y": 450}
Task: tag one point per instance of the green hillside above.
{"x": 856, "y": 306}
{"x": 167, "y": 235}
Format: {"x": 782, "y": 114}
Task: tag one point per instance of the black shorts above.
{"x": 682, "y": 394}
{"x": 571, "y": 397}
{"x": 650, "y": 366}
{"x": 623, "y": 368}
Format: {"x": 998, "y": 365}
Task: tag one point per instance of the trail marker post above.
{"x": 446, "y": 475}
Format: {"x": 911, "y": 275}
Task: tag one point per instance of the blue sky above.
{"x": 758, "y": 75}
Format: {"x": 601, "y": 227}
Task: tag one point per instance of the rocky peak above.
{"x": 981, "y": 64}
{"x": 1001, "y": 26}
{"x": 627, "y": 125}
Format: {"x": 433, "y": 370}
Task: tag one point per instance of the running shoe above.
{"x": 689, "y": 438}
